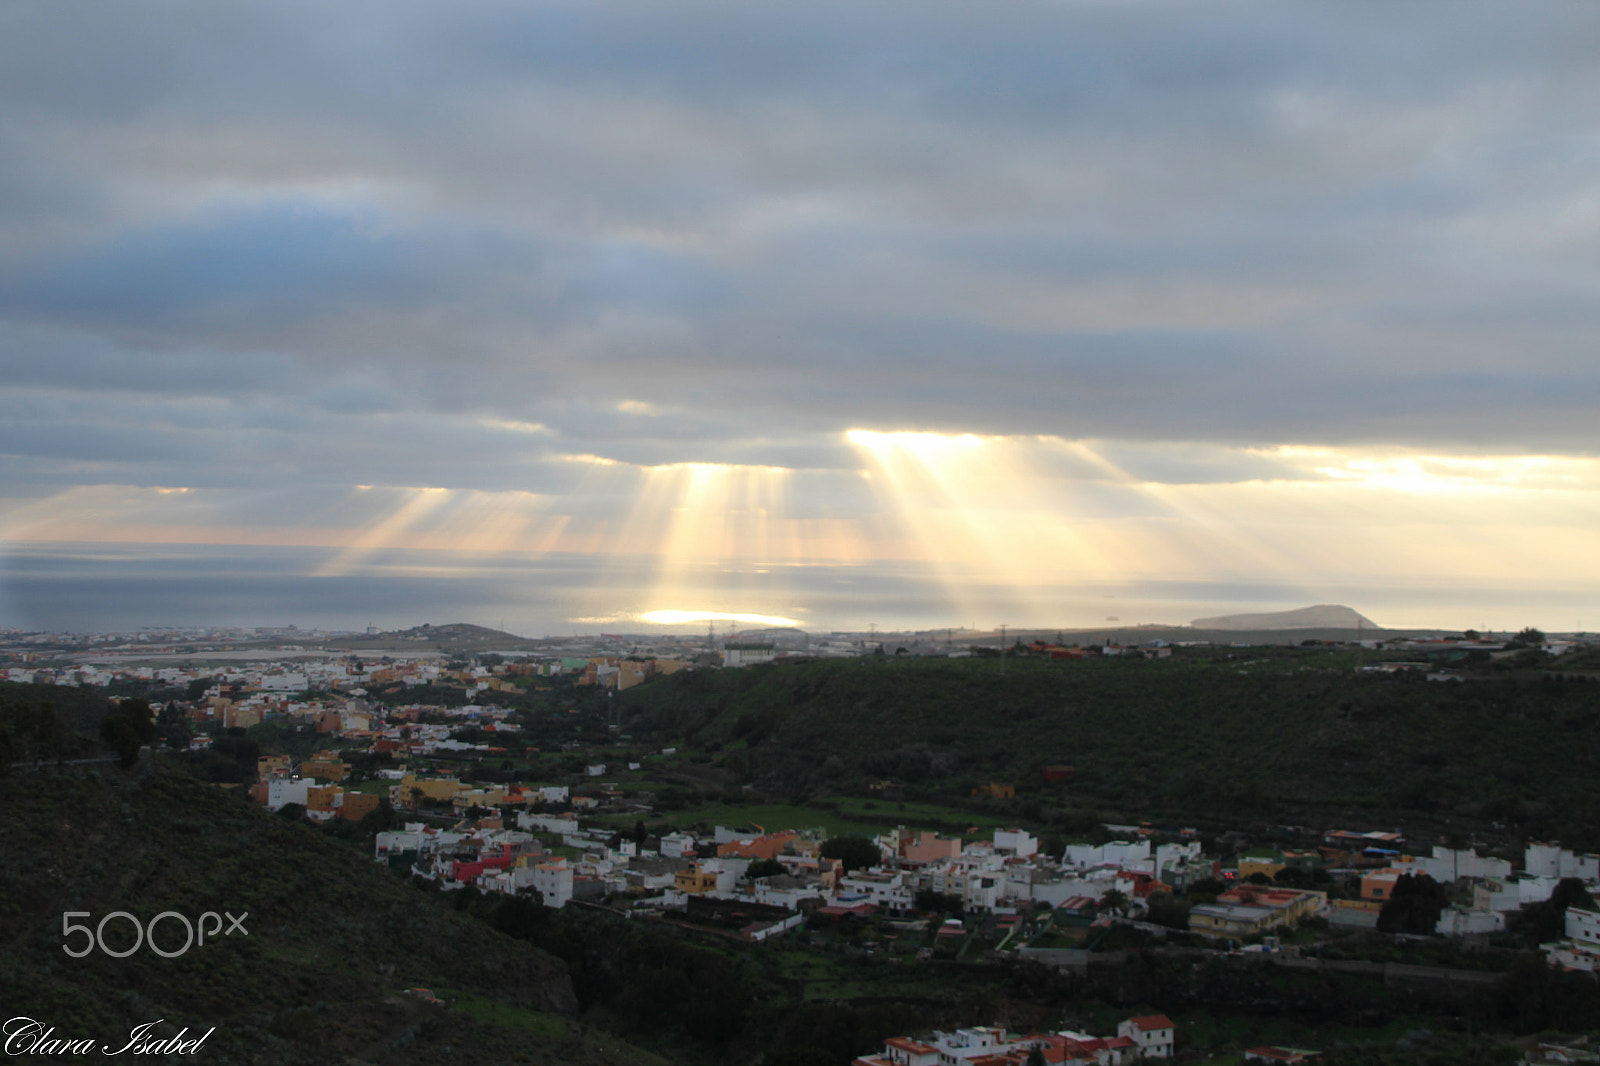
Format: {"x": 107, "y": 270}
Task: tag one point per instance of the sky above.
{"x": 559, "y": 316}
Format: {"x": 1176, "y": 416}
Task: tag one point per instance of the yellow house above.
{"x": 324, "y": 768}
{"x": 235, "y": 715}
{"x": 1249, "y": 910}
{"x": 482, "y": 797}
{"x": 695, "y": 881}
{"x": 1264, "y": 862}
{"x": 437, "y": 789}
{"x": 266, "y": 764}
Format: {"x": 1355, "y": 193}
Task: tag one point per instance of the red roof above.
{"x": 1151, "y": 1021}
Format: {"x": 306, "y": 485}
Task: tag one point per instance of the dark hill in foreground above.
{"x": 1203, "y": 736}
{"x": 333, "y": 940}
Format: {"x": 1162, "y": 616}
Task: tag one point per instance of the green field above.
{"x": 834, "y": 815}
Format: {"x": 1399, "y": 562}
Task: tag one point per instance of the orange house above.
{"x": 357, "y": 806}
{"x": 1379, "y": 884}
{"x": 930, "y": 847}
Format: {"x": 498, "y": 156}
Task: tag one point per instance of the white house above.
{"x": 282, "y": 790}
{"x": 1462, "y": 921}
{"x": 1153, "y": 1034}
{"x": 677, "y": 845}
{"x": 1120, "y": 853}
{"x": 1017, "y": 841}
{"x": 1552, "y": 860}
{"x": 553, "y": 879}
{"x": 1447, "y": 865}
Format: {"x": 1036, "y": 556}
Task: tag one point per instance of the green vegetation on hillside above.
{"x": 331, "y": 940}
{"x": 1281, "y": 735}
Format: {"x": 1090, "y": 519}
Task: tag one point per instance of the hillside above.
{"x": 1322, "y": 616}
{"x": 453, "y": 637}
{"x": 333, "y": 939}
{"x": 1192, "y": 738}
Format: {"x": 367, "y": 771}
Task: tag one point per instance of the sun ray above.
{"x": 414, "y": 505}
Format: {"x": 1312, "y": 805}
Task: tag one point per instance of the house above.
{"x": 1289, "y": 904}
{"x": 991, "y": 1046}
{"x": 325, "y": 765}
{"x": 902, "y": 1051}
{"x": 1247, "y": 911}
{"x": 355, "y": 806}
{"x": 1268, "y": 862}
{"x": 766, "y": 846}
{"x": 436, "y": 789}
{"x": 696, "y": 880}
{"x": 1378, "y": 886}
{"x": 553, "y": 879}
{"x": 927, "y": 847}
{"x": 1116, "y": 853}
{"x": 266, "y": 764}
{"x": 747, "y": 654}
{"x": 1447, "y": 865}
{"x": 1581, "y": 948}
{"x": 1017, "y": 841}
{"x": 677, "y": 845}
{"x": 1152, "y": 1034}
{"x": 895, "y": 892}
{"x": 1552, "y": 860}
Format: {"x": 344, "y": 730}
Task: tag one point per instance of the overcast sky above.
{"x": 909, "y": 314}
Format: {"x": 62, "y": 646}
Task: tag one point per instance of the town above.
{"x": 530, "y": 788}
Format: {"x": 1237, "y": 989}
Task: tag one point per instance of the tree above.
{"x": 1293, "y": 876}
{"x": 1166, "y": 909}
{"x": 1115, "y": 901}
{"x": 763, "y": 868}
{"x": 856, "y": 853}
{"x": 1414, "y": 905}
{"x": 940, "y": 902}
{"x": 1529, "y": 637}
{"x": 127, "y": 729}
{"x": 1549, "y": 919}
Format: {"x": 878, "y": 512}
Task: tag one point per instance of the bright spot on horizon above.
{"x": 671, "y": 618}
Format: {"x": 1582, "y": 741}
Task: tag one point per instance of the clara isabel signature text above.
{"x": 29, "y": 1036}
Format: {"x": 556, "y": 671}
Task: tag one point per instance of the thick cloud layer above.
{"x": 492, "y": 247}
